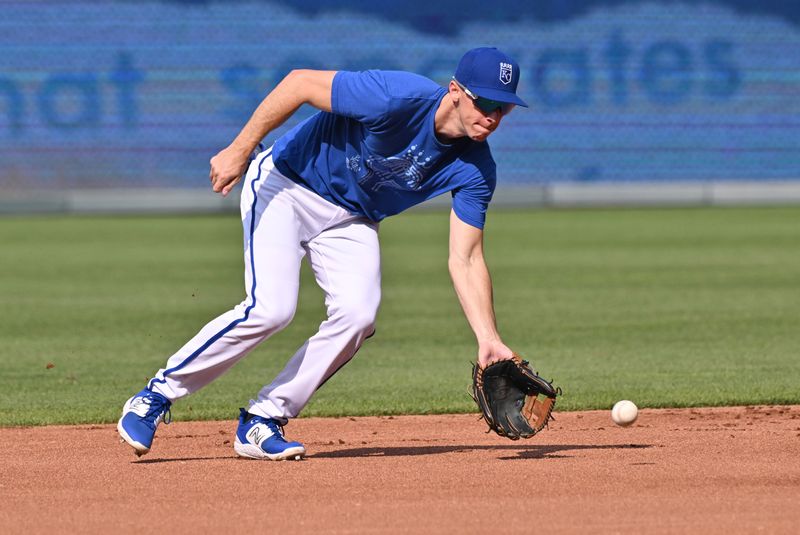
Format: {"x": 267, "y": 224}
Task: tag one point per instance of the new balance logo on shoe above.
{"x": 259, "y": 433}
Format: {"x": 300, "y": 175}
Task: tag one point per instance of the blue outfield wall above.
{"x": 133, "y": 94}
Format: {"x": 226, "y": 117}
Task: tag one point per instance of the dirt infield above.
{"x": 727, "y": 470}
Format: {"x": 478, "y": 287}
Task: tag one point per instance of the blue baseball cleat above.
{"x": 262, "y": 438}
{"x": 140, "y": 418}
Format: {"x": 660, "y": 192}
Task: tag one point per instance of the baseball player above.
{"x": 382, "y": 142}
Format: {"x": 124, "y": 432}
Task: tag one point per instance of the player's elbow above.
{"x": 296, "y": 76}
{"x": 458, "y": 264}
{"x": 311, "y": 87}
{"x": 464, "y": 258}
{"x": 295, "y": 82}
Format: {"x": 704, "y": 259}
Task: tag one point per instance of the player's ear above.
{"x": 454, "y": 90}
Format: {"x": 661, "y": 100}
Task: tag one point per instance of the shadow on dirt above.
{"x": 184, "y": 459}
{"x": 517, "y": 452}
{"x": 520, "y": 451}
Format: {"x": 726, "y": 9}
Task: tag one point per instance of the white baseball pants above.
{"x": 283, "y": 222}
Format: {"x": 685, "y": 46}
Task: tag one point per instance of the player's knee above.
{"x": 273, "y": 317}
{"x": 364, "y": 324}
{"x": 360, "y": 317}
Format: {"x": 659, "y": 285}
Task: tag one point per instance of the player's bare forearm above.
{"x": 473, "y": 285}
{"x": 474, "y": 289}
{"x": 297, "y": 88}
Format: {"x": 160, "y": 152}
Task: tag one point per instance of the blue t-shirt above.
{"x": 377, "y": 153}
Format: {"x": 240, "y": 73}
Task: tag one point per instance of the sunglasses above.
{"x": 486, "y": 105}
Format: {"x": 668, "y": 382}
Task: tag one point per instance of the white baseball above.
{"x": 624, "y": 413}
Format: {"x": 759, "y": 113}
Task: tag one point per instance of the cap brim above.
{"x": 498, "y": 95}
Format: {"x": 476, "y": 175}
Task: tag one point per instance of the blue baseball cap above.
{"x": 490, "y": 73}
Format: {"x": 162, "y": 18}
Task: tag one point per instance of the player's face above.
{"x": 480, "y": 116}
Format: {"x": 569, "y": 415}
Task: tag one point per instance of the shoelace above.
{"x": 158, "y": 408}
{"x": 275, "y": 427}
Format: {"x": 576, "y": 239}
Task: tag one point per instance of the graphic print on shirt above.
{"x": 398, "y": 172}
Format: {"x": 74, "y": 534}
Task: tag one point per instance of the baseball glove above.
{"x": 513, "y": 399}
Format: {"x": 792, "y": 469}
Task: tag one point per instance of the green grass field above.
{"x": 668, "y": 307}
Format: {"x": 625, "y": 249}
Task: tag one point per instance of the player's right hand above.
{"x": 491, "y": 351}
{"x": 227, "y": 168}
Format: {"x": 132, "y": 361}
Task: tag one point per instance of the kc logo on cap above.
{"x": 505, "y": 73}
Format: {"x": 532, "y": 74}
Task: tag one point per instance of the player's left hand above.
{"x": 513, "y": 399}
{"x": 227, "y": 168}
{"x": 490, "y": 351}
